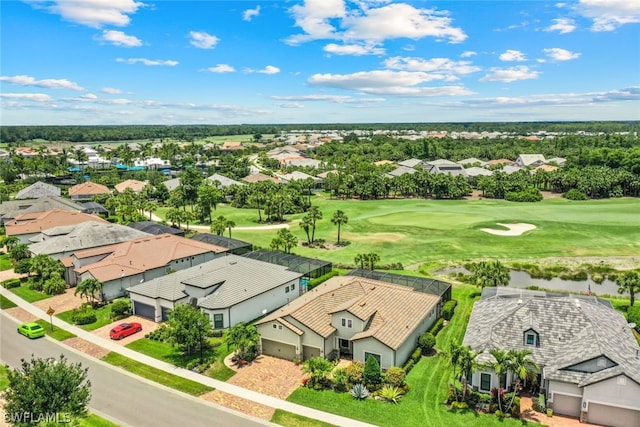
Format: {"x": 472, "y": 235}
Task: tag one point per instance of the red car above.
{"x": 124, "y": 330}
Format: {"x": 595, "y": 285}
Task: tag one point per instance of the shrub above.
{"x": 416, "y": 355}
{"x": 83, "y": 316}
{"x": 426, "y": 342}
{"x": 575, "y": 194}
{"x": 11, "y": 283}
{"x": 437, "y": 327}
{"x": 395, "y": 376}
{"x": 409, "y": 365}
{"x": 515, "y": 409}
{"x": 390, "y": 393}
{"x": 34, "y": 284}
{"x": 633, "y": 316}
{"x": 538, "y": 403}
{"x": 448, "y": 308}
{"x": 371, "y": 373}
{"x": 217, "y": 333}
{"x": 120, "y": 308}
{"x": 354, "y": 372}
{"x": 315, "y": 282}
{"x": 359, "y": 391}
{"x": 340, "y": 379}
{"x": 459, "y": 405}
{"x": 23, "y": 266}
{"x": 527, "y": 195}
{"x": 54, "y": 285}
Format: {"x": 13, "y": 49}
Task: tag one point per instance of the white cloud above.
{"x": 558, "y": 54}
{"x": 313, "y": 18}
{"x": 562, "y": 25}
{"x": 92, "y": 13}
{"x": 248, "y": 14}
{"x": 35, "y": 97}
{"x": 269, "y": 69}
{"x": 467, "y": 54}
{"x": 353, "y": 49}
{"x": 202, "y": 40}
{"x": 337, "y": 99}
{"x": 23, "y": 80}
{"x": 439, "y": 65}
{"x": 388, "y": 82}
{"x": 513, "y": 55}
{"x": 119, "y": 38}
{"x": 607, "y": 15}
{"x": 149, "y": 62}
{"x": 89, "y": 97}
{"x": 221, "y": 68}
{"x": 508, "y": 75}
{"x": 111, "y": 90}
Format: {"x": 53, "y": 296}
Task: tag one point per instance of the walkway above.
{"x": 528, "y": 414}
{"x": 156, "y": 218}
{"x": 218, "y": 385}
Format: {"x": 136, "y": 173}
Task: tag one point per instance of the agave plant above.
{"x": 359, "y": 391}
{"x": 390, "y": 393}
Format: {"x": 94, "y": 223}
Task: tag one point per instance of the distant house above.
{"x": 589, "y": 357}
{"x": 350, "y": 316}
{"x": 230, "y": 289}
{"x": 95, "y": 208}
{"x": 499, "y": 162}
{"x": 530, "y": 160}
{"x": 300, "y": 176}
{"x": 172, "y": 184}
{"x": 123, "y": 265}
{"x": 29, "y": 225}
{"x": 558, "y": 161}
{"x": 259, "y": 177}
{"x": 472, "y": 162}
{"x": 546, "y": 168}
{"x": 231, "y": 146}
{"x": 87, "y": 190}
{"x": 301, "y": 162}
{"x": 223, "y": 180}
{"x": 509, "y": 169}
{"x": 401, "y": 170}
{"x": 446, "y": 167}
{"x": 13, "y": 208}
{"x": 37, "y": 190}
{"x": 411, "y": 163}
{"x": 135, "y": 185}
{"x": 156, "y": 228}
{"x": 234, "y": 246}
{"x": 476, "y": 171}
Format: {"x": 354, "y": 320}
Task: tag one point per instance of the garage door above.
{"x": 310, "y": 352}
{"x": 611, "y": 416}
{"x": 278, "y": 349}
{"x": 566, "y": 405}
{"x": 144, "y": 310}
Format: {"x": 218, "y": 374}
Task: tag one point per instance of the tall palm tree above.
{"x": 523, "y": 366}
{"x": 373, "y": 258}
{"x": 500, "y": 367}
{"x": 361, "y": 259}
{"x": 315, "y": 215}
{"x": 230, "y": 225}
{"x": 629, "y": 281}
{"x": 339, "y": 218}
{"x": 305, "y": 224}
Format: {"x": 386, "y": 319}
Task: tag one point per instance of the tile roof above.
{"x": 528, "y": 159}
{"x": 12, "y": 208}
{"x": 133, "y": 184}
{"x": 234, "y": 278}
{"x": 258, "y": 177}
{"x": 88, "y": 188}
{"x": 571, "y": 330}
{"x": 152, "y": 227}
{"x": 38, "y": 221}
{"x": 37, "y": 190}
{"x": 139, "y": 255}
{"x": 223, "y": 241}
{"x": 410, "y": 163}
{"x": 391, "y": 311}
{"x": 223, "y": 180}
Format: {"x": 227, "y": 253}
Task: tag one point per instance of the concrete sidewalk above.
{"x": 159, "y": 364}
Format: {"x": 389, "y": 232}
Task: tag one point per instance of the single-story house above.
{"x": 589, "y": 357}
{"x": 230, "y": 289}
{"x": 257, "y": 177}
{"x": 499, "y": 162}
{"x": 411, "y": 163}
{"x": 477, "y": 171}
{"x": 530, "y": 160}
{"x": 29, "y": 225}
{"x": 300, "y": 176}
{"x": 123, "y": 265}
{"x": 446, "y": 167}
{"x": 12, "y": 208}
{"x": 86, "y": 190}
{"x": 558, "y": 161}
{"x": 223, "y": 180}
{"x": 401, "y": 170}
{"x": 234, "y": 246}
{"x": 37, "y": 190}
{"x": 135, "y": 185}
{"x": 152, "y": 227}
{"x": 350, "y": 316}
{"x": 172, "y": 183}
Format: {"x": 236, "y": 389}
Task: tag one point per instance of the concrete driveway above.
{"x": 147, "y": 326}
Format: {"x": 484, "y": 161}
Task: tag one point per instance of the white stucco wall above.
{"x": 613, "y": 392}
{"x": 346, "y": 332}
{"x": 309, "y": 337}
{"x": 404, "y": 351}
{"x": 563, "y": 388}
{"x": 280, "y": 334}
{"x": 371, "y": 345}
{"x": 476, "y": 376}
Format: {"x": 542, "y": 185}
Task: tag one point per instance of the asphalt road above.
{"x": 129, "y": 400}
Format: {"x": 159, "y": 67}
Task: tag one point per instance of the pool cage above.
{"x": 421, "y": 284}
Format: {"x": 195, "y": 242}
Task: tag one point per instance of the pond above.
{"x": 522, "y": 279}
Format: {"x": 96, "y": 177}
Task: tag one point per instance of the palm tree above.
{"x": 287, "y": 240}
{"x": 361, "y": 259}
{"x": 500, "y": 367}
{"x": 219, "y": 225}
{"x": 230, "y": 225}
{"x": 463, "y": 361}
{"x": 489, "y": 273}
{"x": 244, "y": 337}
{"x": 523, "y": 366}
{"x": 629, "y": 281}
{"x": 318, "y": 369}
{"x": 339, "y": 219}
{"x": 372, "y": 259}
{"x": 305, "y": 223}
{"x": 314, "y": 214}
{"x": 88, "y": 289}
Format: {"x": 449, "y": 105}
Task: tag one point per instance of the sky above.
{"x": 114, "y": 62}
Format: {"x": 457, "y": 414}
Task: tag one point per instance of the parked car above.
{"x": 31, "y": 330}
{"x": 124, "y": 330}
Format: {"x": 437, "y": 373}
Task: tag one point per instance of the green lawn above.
{"x": 103, "y": 317}
{"x": 29, "y": 295}
{"x": 424, "y": 404}
{"x": 4, "y": 380}
{"x": 170, "y": 380}
{"x": 170, "y": 354}
{"x": 93, "y": 420}
{"x": 289, "y": 419}
{"x": 5, "y": 262}
{"x": 415, "y": 231}
{"x": 57, "y": 333}
{"x": 6, "y": 303}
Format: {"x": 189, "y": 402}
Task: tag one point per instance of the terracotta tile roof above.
{"x": 147, "y": 253}
{"x": 88, "y": 188}
{"x": 548, "y": 168}
{"x": 500, "y": 162}
{"x": 38, "y": 221}
{"x": 392, "y": 312}
{"x": 133, "y": 184}
{"x": 259, "y": 177}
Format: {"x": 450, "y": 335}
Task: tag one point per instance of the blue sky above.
{"x": 317, "y": 61}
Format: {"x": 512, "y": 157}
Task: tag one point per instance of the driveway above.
{"x": 61, "y": 303}
{"x": 528, "y": 414}
{"x": 269, "y": 375}
{"x": 147, "y": 326}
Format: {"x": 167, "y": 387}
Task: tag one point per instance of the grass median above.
{"x": 56, "y": 333}
{"x": 157, "y": 375}
{"x": 288, "y": 419}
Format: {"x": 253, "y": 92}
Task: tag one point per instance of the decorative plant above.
{"x": 390, "y": 393}
{"x": 359, "y": 391}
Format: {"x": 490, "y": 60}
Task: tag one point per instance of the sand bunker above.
{"x": 513, "y": 229}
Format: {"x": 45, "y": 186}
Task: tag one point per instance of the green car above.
{"x": 31, "y": 330}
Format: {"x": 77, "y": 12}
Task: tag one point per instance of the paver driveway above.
{"x": 269, "y": 375}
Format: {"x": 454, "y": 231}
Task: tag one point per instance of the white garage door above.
{"x": 309, "y": 352}
{"x": 611, "y": 416}
{"x": 278, "y": 349}
{"x": 566, "y": 405}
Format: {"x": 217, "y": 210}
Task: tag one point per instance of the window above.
{"x": 375, "y": 356}
{"x": 531, "y": 339}
{"x": 286, "y": 290}
{"x": 218, "y": 321}
{"x": 275, "y": 326}
{"x": 347, "y": 323}
{"x": 485, "y": 382}
{"x": 343, "y": 343}
{"x": 293, "y": 286}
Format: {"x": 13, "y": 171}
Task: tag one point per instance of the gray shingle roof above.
{"x": 12, "y": 208}
{"x": 155, "y": 228}
{"x": 224, "y": 181}
{"x": 37, "y": 190}
{"x": 571, "y": 330}
{"x": 239, "y": 279}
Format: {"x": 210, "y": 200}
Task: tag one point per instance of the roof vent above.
{"x": 577, "y": 302}
{"x": 372, "y": 288}
{"x": 363, "y": 303}
{"x": 519, "y": 300}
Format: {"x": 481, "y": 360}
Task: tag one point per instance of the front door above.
{"x": 346, "y": 347}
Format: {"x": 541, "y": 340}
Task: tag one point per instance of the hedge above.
{"x": 11, "y": 283}
{"x": 84, "y": 316}
{"x": 437, "y": 327}
{"x": 448, "y": 308}
{"x": 315, "y": 282}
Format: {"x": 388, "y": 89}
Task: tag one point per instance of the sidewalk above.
{"x": 218, "y": 385}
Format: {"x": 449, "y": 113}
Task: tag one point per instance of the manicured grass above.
{"x": 93, "y": 420}
{"x": 4, "y": 380}
{"x": 5, "y": 262}
{"x": 424, "y": 404}
{"x": 29, "y": 295}
{"x": 174, "y": 381}
{"x": 289, "y": 419}
{"x": 57, "y": 333}
{"x": 103, "y": 317}
{"x": 170, "y": 354}
{"x": 6, "y": 303}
